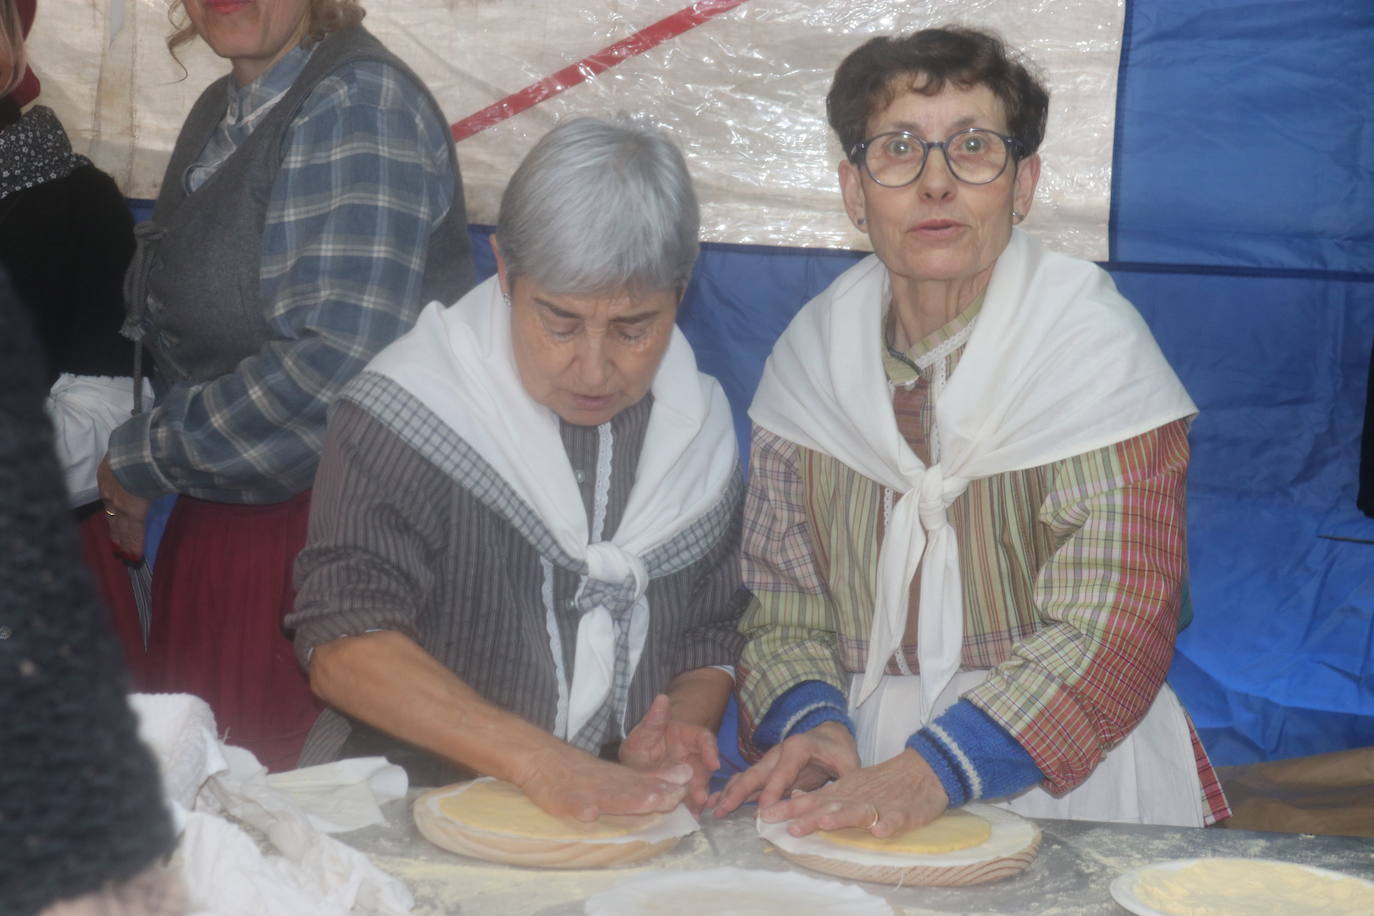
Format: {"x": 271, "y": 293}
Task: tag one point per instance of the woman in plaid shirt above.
{"x": 311, "y": 206}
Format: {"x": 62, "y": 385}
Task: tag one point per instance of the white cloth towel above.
{"x": 344, "y": 795}
{"x": 84, "y": 409}
{"x": 209, "y": 785}
{"x": 1059, "y": 364}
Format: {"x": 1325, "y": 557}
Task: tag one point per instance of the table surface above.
{"x": 1070, "y": 875}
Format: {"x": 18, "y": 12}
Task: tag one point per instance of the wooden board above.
{"x": 1011, "y": 847}
{"x": 512, "y": 849}
{"x": 932, "y": 875}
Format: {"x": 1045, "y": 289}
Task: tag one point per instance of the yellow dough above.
{"x": 500, "y": 807}
{"x": 949, "y": 832}
{"x": 1223, "y": 887}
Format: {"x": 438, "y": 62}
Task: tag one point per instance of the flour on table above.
{"x": 734, "y": 892}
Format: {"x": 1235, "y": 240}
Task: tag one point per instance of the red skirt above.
{"x": 221, "y": 588}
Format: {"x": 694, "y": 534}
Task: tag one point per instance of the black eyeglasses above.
{"x": 895, "y": 159}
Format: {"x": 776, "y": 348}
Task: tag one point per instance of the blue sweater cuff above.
{"x": 973, "y": 756}
{"x": 801, "y": 709}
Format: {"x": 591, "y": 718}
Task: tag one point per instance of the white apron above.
{"x": 1149, "y": 778}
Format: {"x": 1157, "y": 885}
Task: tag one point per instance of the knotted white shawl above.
{"x": 1059, "y": 364}
{"x": 458, "y": 361}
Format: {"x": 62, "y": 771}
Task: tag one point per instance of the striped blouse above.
{"x": 396, "y": 544}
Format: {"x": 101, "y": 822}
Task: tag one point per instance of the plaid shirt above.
{"x": 1074, "y": 578}
{"x": 365, "y": 180}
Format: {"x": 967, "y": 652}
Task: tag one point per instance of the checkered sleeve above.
{"x": 1109, "y": 601}
{"x": 365, "y": 178}
{"x": 789, "y": 625}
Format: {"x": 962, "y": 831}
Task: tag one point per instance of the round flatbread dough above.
{"x": 1010, "y": 845}
{"x": 1216, "y": 887}
{"x": 949, "y": 832}
{"x": 499, "y": 807}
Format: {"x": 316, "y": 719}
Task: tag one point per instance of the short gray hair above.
{"x": 600, "y": 207}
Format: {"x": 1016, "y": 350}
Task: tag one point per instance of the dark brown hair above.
{"x": 882, "y": 68}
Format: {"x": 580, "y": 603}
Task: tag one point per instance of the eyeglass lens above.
{"x": 975, "y": 156}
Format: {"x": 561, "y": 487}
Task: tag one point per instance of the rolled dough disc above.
{"x": 949, "y": 832}
{"x": 1224, "y": 886}
{"x": 494, "y": 821}
{"x": 1010, "y": 845}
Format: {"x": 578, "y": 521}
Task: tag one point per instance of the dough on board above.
{"x": 500, "y": 807}
{"x": 951, "y": 831}
{"x": 1224, "y": 887}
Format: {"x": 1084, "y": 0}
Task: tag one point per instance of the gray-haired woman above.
{"x": 525, "y": 524}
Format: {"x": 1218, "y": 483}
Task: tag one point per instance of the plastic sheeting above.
{"x": 743, "y": 93}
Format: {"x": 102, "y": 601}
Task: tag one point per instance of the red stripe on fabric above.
{"x": 1218, "y": 808}
{"x": 1138, "y": 642}
{"x": 1132, "y": 651}
{"x": 646, "y": 38}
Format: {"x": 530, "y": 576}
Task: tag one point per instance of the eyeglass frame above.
{"x": 859, "y": 154}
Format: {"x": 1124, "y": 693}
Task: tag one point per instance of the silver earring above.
{"x": 862, "y": 221}
{"x": 505, "y": 297}
{"x": 1016, "y": 216}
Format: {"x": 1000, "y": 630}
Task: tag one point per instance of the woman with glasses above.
{"x": 964, "y": 525}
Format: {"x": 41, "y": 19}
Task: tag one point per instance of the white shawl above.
{"x": 458, "y": 361}
{"x": 1059, "y": 364}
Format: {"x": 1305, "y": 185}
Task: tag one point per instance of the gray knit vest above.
{"x": 192, "y": 289}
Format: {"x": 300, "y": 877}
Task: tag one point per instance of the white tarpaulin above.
{"x": 742, "y": 90}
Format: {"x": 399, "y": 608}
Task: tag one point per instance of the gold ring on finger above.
{"x": 110, "y": 512}
{"x": 874, "y": 822}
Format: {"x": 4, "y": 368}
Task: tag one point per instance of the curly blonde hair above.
{"x": 325, "y": 16}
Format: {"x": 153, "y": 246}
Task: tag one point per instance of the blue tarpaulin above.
{"x": 1243, "y": 228}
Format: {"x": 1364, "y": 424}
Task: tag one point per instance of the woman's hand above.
{"x": 659, "y": 740}
{"x": 801, "y": 762}
{"x": 569, "y": 782}
{"x": 123, "y": 510}
{"x": 899, "y": 794}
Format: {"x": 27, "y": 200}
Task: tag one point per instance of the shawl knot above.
{"x": 616, "y": 579}
{"x": 932, "y": 501}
